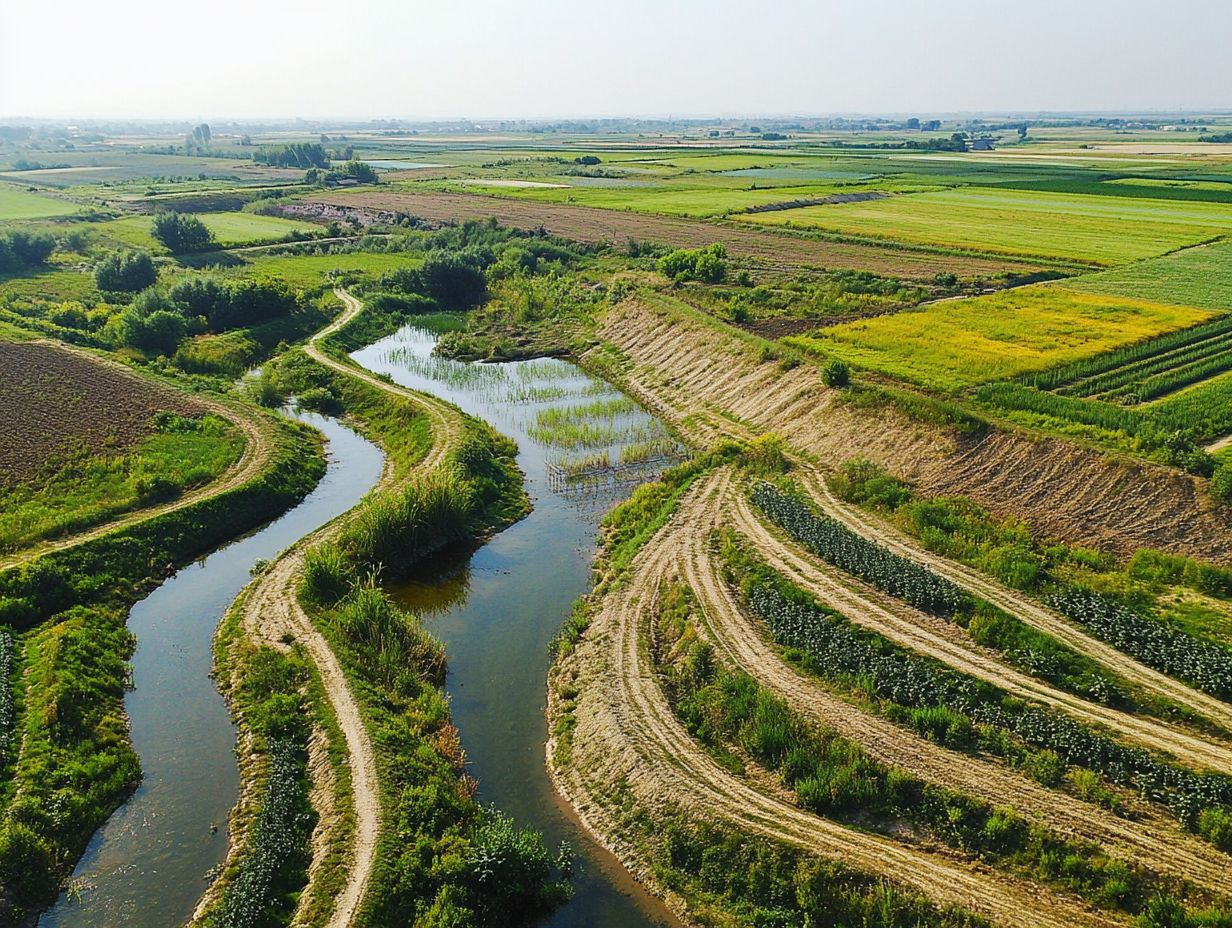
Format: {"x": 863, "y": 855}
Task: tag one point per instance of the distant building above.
{"x": 980, "y": 145}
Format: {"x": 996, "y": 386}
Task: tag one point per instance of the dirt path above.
{"x": 258, "y": 446}
{"x": 273, "y": 615}
{"x": 1153, "y": 840}
{"x": 705, "y": 423}
{"x": 936, "y": 638}
{"x": 1020, "y": 605}
{"x": 627, "y": 734}
{"x": 1219, "y": 445}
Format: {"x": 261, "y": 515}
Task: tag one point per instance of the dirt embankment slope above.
{"x": 688, "y": 370}
{"x": 590, "y": 224}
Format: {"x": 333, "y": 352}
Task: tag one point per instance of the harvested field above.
{"x": 56, "y": 401}
{"x": 588, "y": 224}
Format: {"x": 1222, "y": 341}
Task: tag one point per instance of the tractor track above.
{"x": 632, "y": 737}
{"x": 1152, "y": 839}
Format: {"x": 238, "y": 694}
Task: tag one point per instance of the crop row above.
{"x": 1207, "y": 666}
{"x": 7, "y": 708}
{"x": 1065, "y": 374}
{"x": 1149, "y": 377}
{"x": 278, "y": 843}
{"x": 842, "y": 653}
{"x": 838, "y": 545}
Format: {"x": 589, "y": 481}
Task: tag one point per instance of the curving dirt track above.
{"x": 272, "y": 614}
{"x": 936, "y": 638}
{"x": 628, "y": 735}
{"x": 258, "y": 446}
{"x": 1153, "y": 840}
{"x": 1030, "y": 611}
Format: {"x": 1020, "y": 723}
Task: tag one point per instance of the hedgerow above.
{"x": 7, "y": 707}
{"x": 1031, "y": 650}
{"x": 849, "y": 551}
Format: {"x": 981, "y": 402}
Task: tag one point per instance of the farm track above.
{"x": 1152, "y": 840}
{"x": 593, "y": 224}
{"x": 632, "y": 737}
{"x": 272, "y": 614}
{"x": 949, "y": 640}
{"x": 1023, "y": 607}
{"x": 258, "y": 447}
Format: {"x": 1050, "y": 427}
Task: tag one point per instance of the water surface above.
{"x": 147, "y": 866}
{"x": 498, "y": 608}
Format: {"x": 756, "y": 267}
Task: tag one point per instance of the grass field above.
{"x": 961, "y": 343}
{"x": 1098, "y": 230}
{"x": 229, "y": 229}
{"x": 1193, "y": 277}
{"x": 20, "y": 204}
{"x": 669, "y": 199}
{"x": 311, "y": 271}
{"x": 51, "y": 284}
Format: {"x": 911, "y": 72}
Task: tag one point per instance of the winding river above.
{"x": 147, "y": 867}
{"x": 498, "y": 608}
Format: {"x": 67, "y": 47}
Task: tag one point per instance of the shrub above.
{"x": 708, "y": 264}
{"x": 1221, "y": 483}
{"x": 836, "y": 374}
{"x": 181, "y": 233}
{"x": 125, "y": 271}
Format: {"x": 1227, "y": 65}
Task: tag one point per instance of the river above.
{"x": 147, "y": 867}
{"x": 498, "y": 608}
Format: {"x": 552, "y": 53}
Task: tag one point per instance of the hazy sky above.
{"x": 482, "y": 58}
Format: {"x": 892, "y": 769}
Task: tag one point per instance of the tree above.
{"x": 125, "y": 271}
{"x": 181, "y": 233}
{"x": 364, "y": 173}
{"x": 913, "y": 123}
{"x": 152, "y": 323}
{"x": 453, "y": 281}
{"x": 32, "y": 248}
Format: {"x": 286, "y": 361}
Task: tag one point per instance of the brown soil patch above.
{"x": 57, "y": 401}
{"x": 589, "y": 224}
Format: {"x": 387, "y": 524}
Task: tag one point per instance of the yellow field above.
{"x": 960, "y": 343}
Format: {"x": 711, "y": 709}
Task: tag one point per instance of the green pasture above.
{"x": 230, "y": 229}
{"x": 21, "y": 204}
{"x": 1098, "y": 230}
{"x": 1193, "y": 277}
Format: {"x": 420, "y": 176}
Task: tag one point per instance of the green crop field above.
{"x": 1193, "y": 277}
{"x": 961, "y": 343}
{"x": 228, "y": 228}
{"x": 20, "y": 204}
{"x": 1098, "y": 230}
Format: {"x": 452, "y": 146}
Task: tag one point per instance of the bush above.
{"x": 125, "y": 271}
{"x": 1221, "y": 484}
{"x": 836, "y": 374}
{"x": 20, "y": 250}
{"x": 181, "y": 233}
{"x": 709, "y": 264}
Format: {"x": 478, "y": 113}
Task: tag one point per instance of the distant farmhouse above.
{"x": 981, "y": 144}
